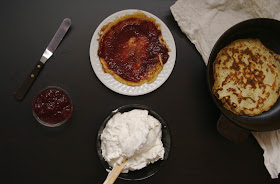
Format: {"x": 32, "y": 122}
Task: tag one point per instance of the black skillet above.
{"x": 230, "y": 125}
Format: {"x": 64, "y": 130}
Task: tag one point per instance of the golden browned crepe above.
{"x": 132, "y": 49}
{"x": 246, "y": 77}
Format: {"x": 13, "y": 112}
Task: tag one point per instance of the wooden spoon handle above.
{"x": 113, "y": 175}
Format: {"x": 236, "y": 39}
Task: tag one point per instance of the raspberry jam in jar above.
{"x": 52, "y": 106}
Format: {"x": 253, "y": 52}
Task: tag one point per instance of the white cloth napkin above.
{"x": 204, "y": 21}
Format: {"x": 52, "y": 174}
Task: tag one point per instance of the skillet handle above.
{"x": 231, "y": 131}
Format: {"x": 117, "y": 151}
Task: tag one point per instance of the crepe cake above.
{"x": 132, "y": 49}
{"x": 246, "y": 77}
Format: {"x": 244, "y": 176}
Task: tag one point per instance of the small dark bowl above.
{"x": 150, "y": 169}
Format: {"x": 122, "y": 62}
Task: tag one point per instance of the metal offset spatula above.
{"x": 27, "y": 83}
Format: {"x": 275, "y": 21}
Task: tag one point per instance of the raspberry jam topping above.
{"x": 53, "y": 105}
{"x": 131, "y": 47}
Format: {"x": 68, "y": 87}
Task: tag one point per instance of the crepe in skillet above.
{"x": 246, "y": 77}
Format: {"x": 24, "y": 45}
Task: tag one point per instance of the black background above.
{"x": 31, "y": 153}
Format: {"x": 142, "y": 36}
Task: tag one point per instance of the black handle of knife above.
{"x": 27, "y": 83}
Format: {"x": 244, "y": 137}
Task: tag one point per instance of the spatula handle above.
{"x": 27, "y": 83}
{"x": 113, "y": 175}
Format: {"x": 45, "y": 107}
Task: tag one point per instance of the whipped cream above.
{"x": 135, "y": 136}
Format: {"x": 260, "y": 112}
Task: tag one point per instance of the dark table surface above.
{"x": 31, "y": 153}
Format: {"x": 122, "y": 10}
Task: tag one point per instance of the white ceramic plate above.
{"x": 109, "y": 81}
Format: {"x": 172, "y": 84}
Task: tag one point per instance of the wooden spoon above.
{"x": 112, "y": 176}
